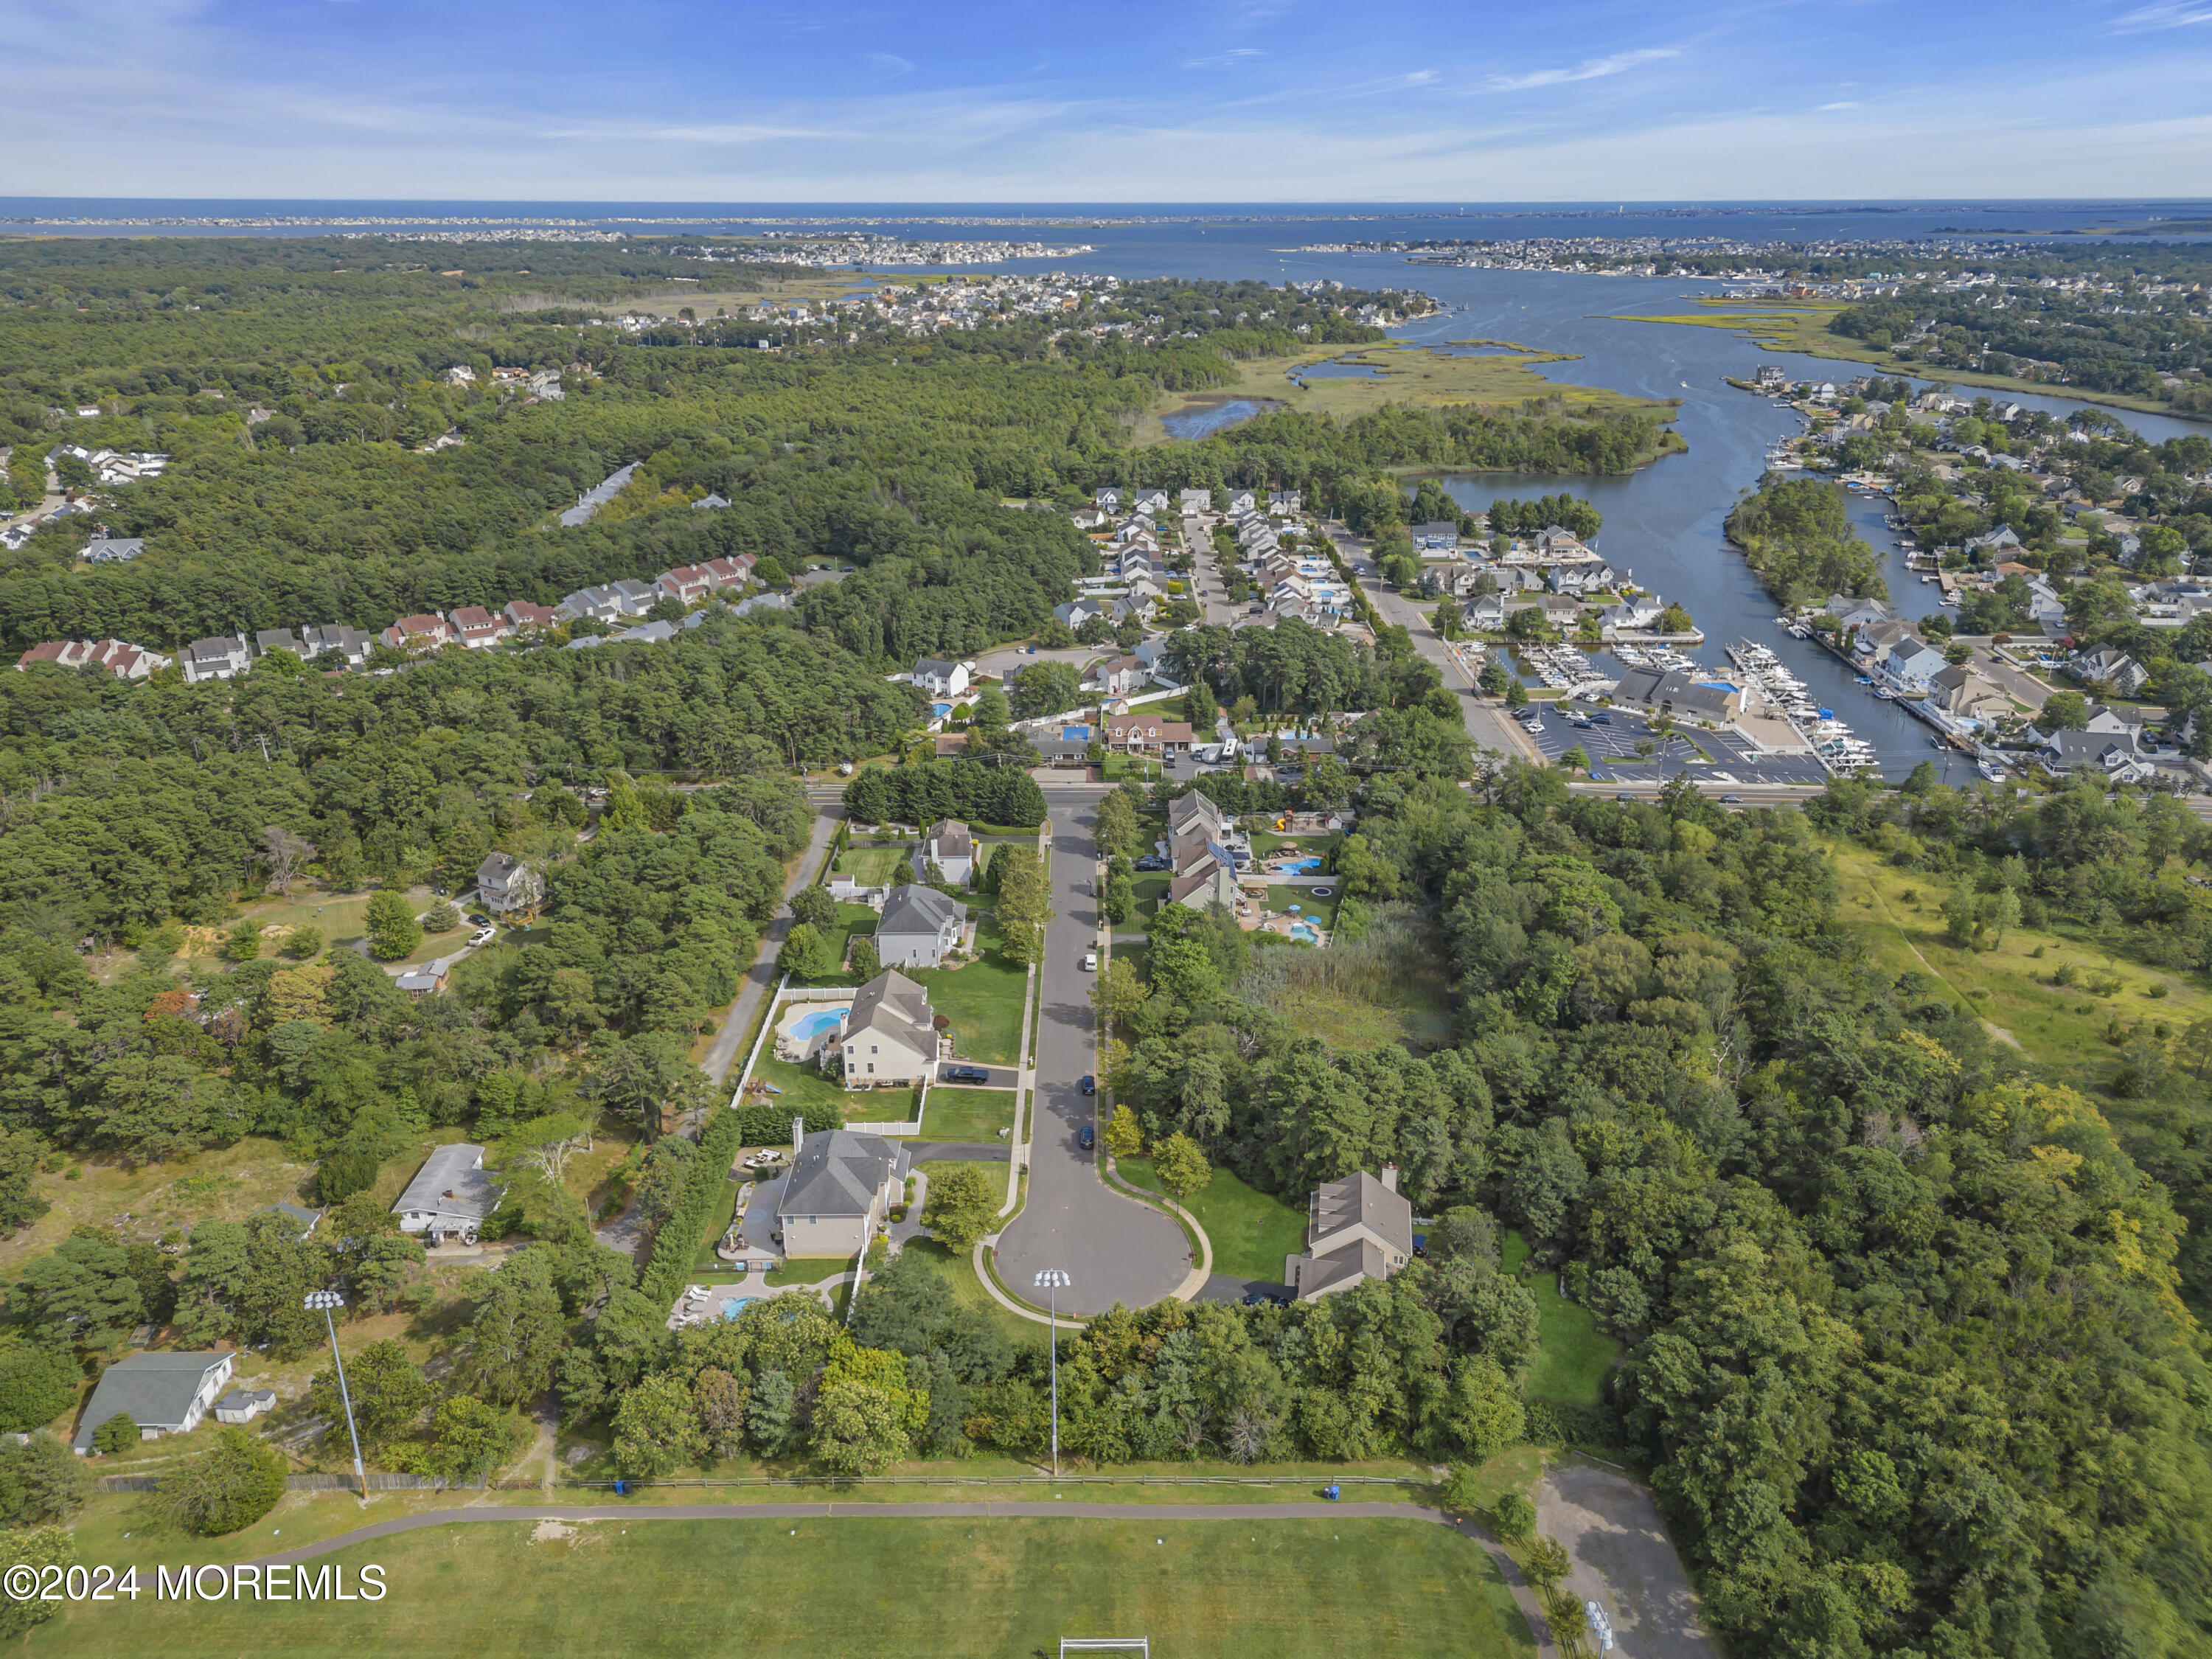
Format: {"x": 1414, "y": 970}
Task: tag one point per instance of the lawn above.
{"x": 854, "y": 1586}
{"x": 982, "y": 998}
{"x": 973, "y": 1115}
{"x": 726, "y": 1210}
{"x": 1150, "y": 888}
{"x": 1323, "y": 910}
{"x": 1573, "y": 1355}
{"x": 1251, "y": 1232}
{"x": 2060, "y": 1027}
{"x": 803, "y": 1086}
{"x": 873, "y": 866}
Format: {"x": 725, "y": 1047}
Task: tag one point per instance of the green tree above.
{"x": 1181, "y": 1165}
{"x": 515, "y": 1334}
{"x": 119, "y": 1434}
{"x": 769, "y": 573}
{"x": 867, "y": 1413}
{"x": 1118, "y": 992}
{"x": 772, "y": 1413}
{"x": 808, "y": 953}
{"x": 37, "y": 1385}
{"x": 41, "y": 1479}
{"x": 469, "y": 1438}
{"x": 813, "y": 907}
{"x": 232, "y": 1485}
{"x": 83, "y": 1295}
{"x": 961, "y": 1207}
{"x": 1046, "y": 688}
{"x": 2063, "y": 711}
{"x": 1545, "y": 1563}
{"x": 390, "y": 924}
{"x": 1024, "y": 902}
{"x": 243, "y": 942}
{"x": 37, "y": 1548}
{"x": 1125, "y": 1135}
{"x": 1485, "y": 1409}
{"x": 1516, "y": 694}
{"x": 390, "y": 1393}
{"x": 861, "y": 954}
{"x": 302, "y": 942}
{"x": 441, "y": 918}
{"x": 657, "y": 1428}
{"x": 1513, "y": 1518}
{"x": 719, "y": 1400}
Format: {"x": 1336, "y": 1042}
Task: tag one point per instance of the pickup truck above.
{"x": 966, "y": 1074}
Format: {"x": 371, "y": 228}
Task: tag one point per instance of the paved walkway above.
{"x": 1114, "y": 1247}
{"x": 759, "y": 978}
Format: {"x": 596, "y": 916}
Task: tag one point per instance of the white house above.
{"x": 919, "y": 926}
{"x": 223, "y": 657}
{"x": 890, "y": 1035}
{"x": 951, "y": 847}
{"x": 162, "y": 1393}
{"x": 450, "y": 1195}
{"x": 945, "y": 680}
{"x": 505, "y": 884}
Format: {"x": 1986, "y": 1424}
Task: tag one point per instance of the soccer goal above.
{"x": 1142, "y": 1644}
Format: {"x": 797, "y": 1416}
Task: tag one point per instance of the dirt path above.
{"x": 1623, "y": 1561}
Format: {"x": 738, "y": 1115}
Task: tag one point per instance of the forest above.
{"x": 1797, "y": 538}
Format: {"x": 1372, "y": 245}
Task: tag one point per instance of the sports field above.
{"x": 853, "y": 1588}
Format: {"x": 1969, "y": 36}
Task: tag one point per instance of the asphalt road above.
{"x": 1113, "y": 1248}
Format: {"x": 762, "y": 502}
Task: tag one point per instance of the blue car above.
{"x": 1089, "y": 1084}
{"x": 1088, "y": 1139}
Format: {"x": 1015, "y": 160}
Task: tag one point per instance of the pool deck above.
{"x": 822, "y": 1020}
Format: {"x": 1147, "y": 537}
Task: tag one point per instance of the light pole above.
{"x": 327, "y": 1300}
{"x": 1052, "y": 1281}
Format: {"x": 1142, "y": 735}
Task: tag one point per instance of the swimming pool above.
{"x": 1306, "y": 931}
{"x": 1302, "y": 866}
{"x": 734, "y": 1305}
{"x": 808, "y": 1026}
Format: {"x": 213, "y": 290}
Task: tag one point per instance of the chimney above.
{"x": 797, "y": 1134}
{"x": 1390, "y": 1176}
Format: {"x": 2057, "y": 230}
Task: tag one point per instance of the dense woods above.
{"x": 1796, "y": 534}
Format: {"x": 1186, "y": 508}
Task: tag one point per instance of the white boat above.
{"x": 1992, "y": 771}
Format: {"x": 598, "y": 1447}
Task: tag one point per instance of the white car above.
{"x": 483, "y": 936}
{"x": 1091, "y": 961}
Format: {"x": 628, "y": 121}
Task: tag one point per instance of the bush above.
{"x": 243, "y": 942}
{"x": 348, "y": 1168}
{"x": 442, "y": 917}
{"x": 232, "y": 1485}
{"x": 119, "y": 1433}
{"x": 41, "y": 1479}
{"x": 37, "y": 1385}
{"x": 302, "y": 943}
{"x": 680, "y": 1236}
{"x": 37, "y": 1548}
{"x": 1513, "y": 1518}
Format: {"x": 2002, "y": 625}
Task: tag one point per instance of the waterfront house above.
{"x": 1677, "y": 696}
{"x": 1439, "y": 536}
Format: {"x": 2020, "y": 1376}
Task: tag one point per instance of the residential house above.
{"x": 352, "y": 645}
{"x": 1908, "y": 663}
{"x": 1356, "y": 1228}
{"x": 687, "y": 584}
{"x": 945, "y": 680}
{"x": 713, "y": 500}
{"x": 2064, "y": 753}
{"x": 732, "y": 572}
{"x": 1859, "y": 613}
{"x": 890, "y": 1037}
{"x": 1118, "y": 678}
{"x": 1240, "y": 501}
{"x": 244, "y": 1404}
{"x": 301, "y": 1220}
{"x": 1637, "y": 614}
{"x": 1193, "y": 500}
{"x": 1676, "y": 695}
{"x": 1076, "y": 612}
{"x": 1142, "y": 734}
{"x": 428, "y": 979}
{"x": 1285, "y": 502}
{"x": 450, "y": 1195}
{"x": 477, "y": 629}
{"x": 1486, "y": 612}
{"x": 951, "y": 847}
{"x": 113, "y": 550}
{"x": 528, "y": 618}
{"x": 1197, "y": 812}
{"x": 421, "y": 632}
{"x": 163, "y": 1393}
{"x": 1439, "y": 536}
{"x": 1064, "y": 751}
{"x": 1150, "y": 501}
{"x": 1088, "y": 518}
{"x": 840, "y": 1187}
{"x": 276, "y": 639}
{"x": 1106, "y": 499}
{"x": 1577, "y": 580}
{"x": 119, "y": 658}
{"x": 1214, "y": 884}
{"x": 1963, "y": 694}
{"x": 1771, "y": 377}
{"x": 2112, "y": 669}
{"x": 919, "y": 927}
{"x": 222, "y": 658}
{"x": 507, "y": 886}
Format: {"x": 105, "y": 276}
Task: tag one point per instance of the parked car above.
{"x": 483, "y": 936}
{"x": 966, "y": 1074}
{"x": 1088, "y": 1139}
{"x": 1091, "y": 961}
{"x": 1151, "y": 861}
{"x": 1600, "y": 717}
{"x": 1089, "y": 1084}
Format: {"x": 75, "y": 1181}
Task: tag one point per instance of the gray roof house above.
{"x": 506, "y": 884}
{"x": 839, "y": 1185}
{"x": 223, "y": 657}
{"x": 110, "y": 549}
{"x": 920, "y": 924}
{"x": 162, "y": 1393}
{"x": 1356, "y": 1228}
{"x": 353, "y": 644}
{"x": 277, "y": 639}
{"x": 450, "y": 1195}
{"x": 951, "y": 847}
{"x": 244, "y": 1404}
{"x": 891, "y": 1033}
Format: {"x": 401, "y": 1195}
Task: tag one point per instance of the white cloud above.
{"x": 2167, "y": 14}
{"x": 889, "y": 65}
{"x": 1848, "y": 103}
{"x": 1588, "y": 70}
{"x": 1228, "y": 59}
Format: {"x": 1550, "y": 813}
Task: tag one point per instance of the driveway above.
{"x": 1623, "y": 1561}
{"x": 1114, "y": 1248}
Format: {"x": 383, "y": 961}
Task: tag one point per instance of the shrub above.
{"x": 36, "y": 1386}
{"x": 681, "y": 1235}
{"x": 1513, "y": 1517}
{"x": 231, "y": 1485}
{"x": 41, "y": 1479}
{"x": 119, "y": 1433}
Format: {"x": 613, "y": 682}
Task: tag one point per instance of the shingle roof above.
{"x": 919, "y": 910}
{"x": 155, "y": 1390}
{"x": 1320, "y": 1272}
{"x": 839, "y": 1173}
{"x": 894, "y": 1005}
{"x": 1360, "y": 1198}
{"x": 952, "y": 839}
{"x": 450, "y": 1182}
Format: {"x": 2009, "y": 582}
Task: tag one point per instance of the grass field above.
{"x": 861, "y": 1586}
{"x": 1323, "y": 910}
{"x": 2060, "y": 1027}
{"x": 803, "y": 1086}
{"x": 1423, "y": 378}
{"x": 1251, "y": 1232}
{"x": 1574, "y": 1355}
{"x": 873, "y": 866}
{"x": 1150, "y": 888}
{"x": 983, "y": 1000}
{"x": 968, "y": 1114}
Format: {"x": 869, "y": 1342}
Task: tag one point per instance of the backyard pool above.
{"x": 1306, "y": 931}
{"x": 733, "y": 1306}
{"x": 808, "y": 1026}
{"x": 1302, "y": 867}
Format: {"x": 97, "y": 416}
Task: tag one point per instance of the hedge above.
{"x": 677, "y": 1245}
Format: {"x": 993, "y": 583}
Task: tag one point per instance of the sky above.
{"x": 1019, "y": 100}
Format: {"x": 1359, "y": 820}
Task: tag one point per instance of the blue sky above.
{"x": 1216, "y": 100}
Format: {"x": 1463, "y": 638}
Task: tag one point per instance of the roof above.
{"x": 934, "y": 666}
{"x": 893, "y": 1005}
{"x": 155, "y": 1390}
{"x": 1194, "y": 806}
{"x": 450, "y": 1182}
{"x": 1327, "y": 1272}
{"x": 839, "y": 1173}
{"x": 952, "y": 839}
{"x": 1360, "y": 1198}
{"x": 239, "y": 1399}
{"x": 919, "y": 910}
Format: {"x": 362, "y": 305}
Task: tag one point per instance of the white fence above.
{"x": 889, "y": 1131}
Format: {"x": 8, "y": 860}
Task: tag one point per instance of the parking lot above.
{"x": 1627, "y": 748}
